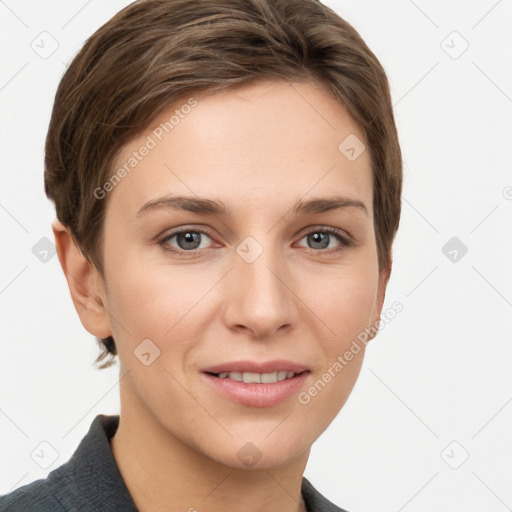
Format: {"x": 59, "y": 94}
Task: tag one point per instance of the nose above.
{"x": 260, "y": 299}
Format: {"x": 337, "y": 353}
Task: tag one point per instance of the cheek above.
{"x": 345, "y": 301}
{"x": 346, "y": 308}
{"x": 356, "y": 305}
{"x": 160, "y": 301}
{"x": 156, "y": 303}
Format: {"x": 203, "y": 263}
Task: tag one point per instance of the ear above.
{"x": 381, "y": 295}
{"x": 84, "y": 281}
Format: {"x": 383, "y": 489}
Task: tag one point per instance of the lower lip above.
{"x": 258, "y": 395}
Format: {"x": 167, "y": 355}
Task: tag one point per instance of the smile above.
{"x": 257, "y": 378}
{"x": 257, "y": 389}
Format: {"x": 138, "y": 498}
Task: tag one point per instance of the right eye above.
{"x": 187, "y": 241}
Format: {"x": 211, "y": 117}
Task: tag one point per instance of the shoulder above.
{"x": 316, "y": 502}
{"x": 33, "y": 497}
{"x": 88, "y": 482}
{"x": 58, "y": 492}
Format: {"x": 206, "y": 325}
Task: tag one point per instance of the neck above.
{"x": 163, "y": 473}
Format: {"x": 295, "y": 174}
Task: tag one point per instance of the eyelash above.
{"x": 163, "y": 242}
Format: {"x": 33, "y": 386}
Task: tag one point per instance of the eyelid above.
{"x": 162, "y": 240}
{"x": 344, "y": 238}
{"x": 328, "y": 229}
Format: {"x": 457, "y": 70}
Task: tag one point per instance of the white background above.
{"x": 439, "y": 372}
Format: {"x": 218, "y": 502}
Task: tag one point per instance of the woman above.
{"x": 227, "y": 179}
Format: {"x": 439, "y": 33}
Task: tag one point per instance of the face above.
{"x": 269, "y": 266}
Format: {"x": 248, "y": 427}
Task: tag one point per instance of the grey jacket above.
{"x": 91, "y": 482}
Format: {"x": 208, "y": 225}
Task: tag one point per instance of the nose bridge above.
{"x": 260, "y": 300}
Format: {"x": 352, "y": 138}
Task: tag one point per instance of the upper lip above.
{"x": 256, "y": 367}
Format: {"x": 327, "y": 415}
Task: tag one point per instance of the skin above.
{"x": 258, "y": 148}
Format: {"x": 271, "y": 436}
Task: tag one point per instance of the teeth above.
{"x": 267, "y": 378}
{"x": 235, "y": 376}
{"x": 257, "y": 378}
{"x": 252, "y": 378}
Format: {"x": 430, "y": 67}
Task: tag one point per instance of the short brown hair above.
{"x": 155, "y": 52}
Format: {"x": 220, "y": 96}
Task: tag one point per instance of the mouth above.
{"x": 257, "y": 384}
{"x": 257, "y": 378}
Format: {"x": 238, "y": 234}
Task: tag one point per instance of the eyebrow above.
{"x": 211, "y": 207}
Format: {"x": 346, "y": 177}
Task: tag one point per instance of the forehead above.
{"x": 253, "y": 145}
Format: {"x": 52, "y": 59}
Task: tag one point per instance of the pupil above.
{"x": 190, "y": 240}
{"x": 320, "y": 238}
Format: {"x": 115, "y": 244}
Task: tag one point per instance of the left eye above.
{"x": 321, "y": 238}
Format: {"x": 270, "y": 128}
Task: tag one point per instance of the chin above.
{"x": 257, "y": 452}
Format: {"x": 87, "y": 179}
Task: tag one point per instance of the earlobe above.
{"x": 83, "y": 281}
